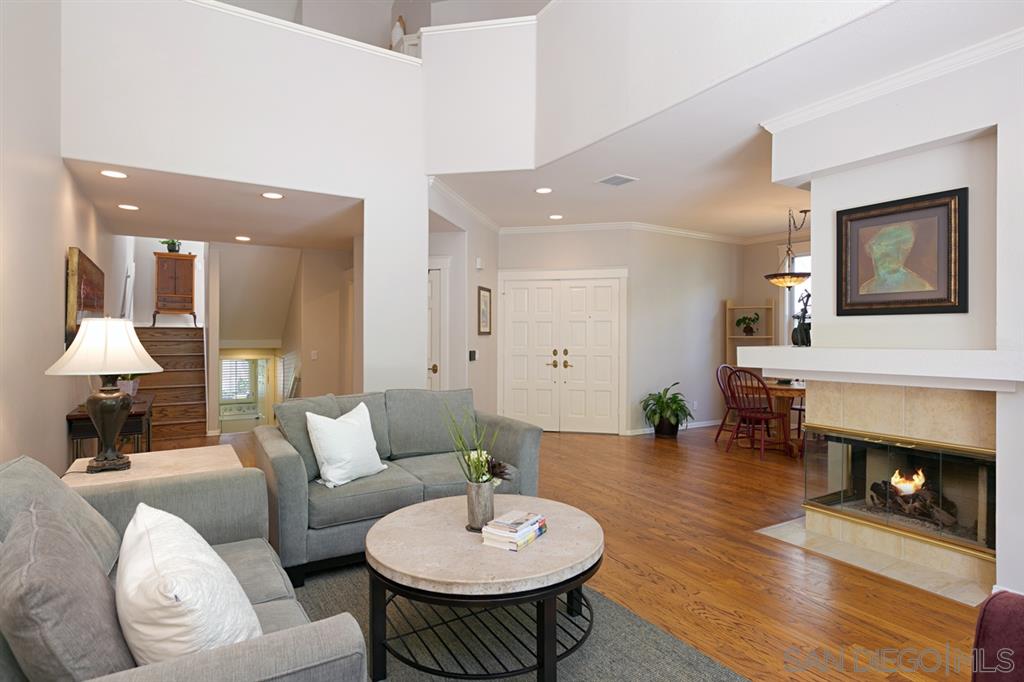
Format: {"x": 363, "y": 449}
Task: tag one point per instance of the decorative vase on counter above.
{"x": 479, "y": 505}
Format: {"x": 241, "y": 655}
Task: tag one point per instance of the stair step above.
{"x": 178, "y": 394}
{"x": 181, "y": 361}
{"x": 172, "y": 412}
{"x": 179, "y": 429}
{"x": 173, "y": 377}
{"x": 173, "y": 347}
{"x": 168, "y": 333}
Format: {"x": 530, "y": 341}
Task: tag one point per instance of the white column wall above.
{"x": 238, "y": 100}
{"x": 926, "y": 115}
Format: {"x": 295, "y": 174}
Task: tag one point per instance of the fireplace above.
{"x": 940, "y": 492}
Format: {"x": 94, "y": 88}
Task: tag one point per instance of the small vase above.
{"x": 173, "y": 248}
{"x": 129, "y": 387}
{"x": 479, "y": 505}
{"x": 748, "y": 330}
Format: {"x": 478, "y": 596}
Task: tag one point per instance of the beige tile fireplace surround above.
{"x": 964, "y": 418}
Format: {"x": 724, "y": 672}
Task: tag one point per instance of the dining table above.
{"x": 783, "y": 395}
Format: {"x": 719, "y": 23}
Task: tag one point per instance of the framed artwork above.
{"x": 84, "y": 295}
{"x": 903, "y": 257}
{"x": 483, "y": 304}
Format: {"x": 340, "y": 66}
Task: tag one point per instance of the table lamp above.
{"x": 109, "y": 348}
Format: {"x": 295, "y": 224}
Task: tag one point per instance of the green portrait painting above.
{"x": 888, "y": 250}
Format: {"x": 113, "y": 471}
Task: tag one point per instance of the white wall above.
{"x": 603, "y": 66}
{"x": 462, "y": 11}
{"x": 969, "y": 164}
{"x": 887, "y": 129}
{"x": 481, "y": 241}
{"x": 122, "y": 263}
{"x": 677, "y": 286}
{"x": 323, "y": 309}
{"x": 255, "y": 289}
{"x": 368, "y": 21}
{"x": 480, "y": 96}
{"x": 41, "y": 215}
{"x": 145, "y": 284}
{"x": 361, "y": 138}
{"x": 289, "y": 10}
{"x": 452, "y": 244}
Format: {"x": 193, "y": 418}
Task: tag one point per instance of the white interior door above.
{"x": 531, "y": 362}
{"x": 561, "y": 354}
{"x": 589, "y": 356}
{"x": 434, "y": 304}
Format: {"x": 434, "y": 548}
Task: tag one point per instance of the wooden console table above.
{"x": 138, "y": 426}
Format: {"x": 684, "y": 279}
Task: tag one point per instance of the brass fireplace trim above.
{"x": 947, "y": 543}
{"x": 904, "y": 441}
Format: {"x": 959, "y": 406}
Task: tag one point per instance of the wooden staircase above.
{"x": 179, "y": 410}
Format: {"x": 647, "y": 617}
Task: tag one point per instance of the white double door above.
{"x": 561, "y": 354}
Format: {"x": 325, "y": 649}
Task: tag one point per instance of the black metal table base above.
{"x": 477, "y": 637}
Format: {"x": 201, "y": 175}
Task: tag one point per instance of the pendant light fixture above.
{"x": 788, "y": 278}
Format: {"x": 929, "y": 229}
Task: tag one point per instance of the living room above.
{"x": 587, "y": 255}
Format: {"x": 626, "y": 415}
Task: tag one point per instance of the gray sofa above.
{"x": 229, "y": 509}
{"x": 312, "y": 526}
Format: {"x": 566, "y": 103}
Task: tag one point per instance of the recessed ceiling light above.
{"x": 543, "y": 190}
{"x": 114, "y": 174}
{"x": 273, "y": 195}
{"x": 243, "y": 238}
{"x": 128, "y": 207}
{"x": 555, "y": 216}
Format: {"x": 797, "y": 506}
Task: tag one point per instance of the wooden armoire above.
{"x": 175, "y": 285}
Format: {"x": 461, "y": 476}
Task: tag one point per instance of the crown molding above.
{"x": 435, "y": 184}
{"x": 631, "y": 226}
{"x": 954, "y": 61}
{"x": 479, "y": 25}
{"x": 306, "y": 30}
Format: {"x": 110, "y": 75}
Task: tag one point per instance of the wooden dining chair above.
{"x": 722, "y": 375}
{"x": 801, "y": 411}
{"x": 754, "y": 408}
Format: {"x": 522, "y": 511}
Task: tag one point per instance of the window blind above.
{"x": 236, "y": 380}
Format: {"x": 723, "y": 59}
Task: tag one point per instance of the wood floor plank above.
{"x": 682, "y": 551}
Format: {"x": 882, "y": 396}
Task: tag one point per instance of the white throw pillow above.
{"x": 344, "y": 447}
{"x": 175, "y": 596}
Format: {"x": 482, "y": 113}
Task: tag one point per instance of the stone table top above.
{"x": 426, "y": 546}
{"x": 147, "y": 465}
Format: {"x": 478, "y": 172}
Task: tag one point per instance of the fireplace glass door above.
{"x": 928, "y": 490}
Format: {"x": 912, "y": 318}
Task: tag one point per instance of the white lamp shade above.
{"x": 105, "y": 346}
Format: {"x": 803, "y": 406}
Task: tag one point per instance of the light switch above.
{"x": 314, "y": 355}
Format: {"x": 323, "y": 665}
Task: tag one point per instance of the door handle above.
{"x": 433, "y": 368}
{"x": 554, "y": 363}
{"x": 565, "y": 364}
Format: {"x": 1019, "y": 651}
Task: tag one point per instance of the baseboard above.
{"x": 1000, "y": 588}
{"x": 692, "y": 425}
{"x": 211, "y": 434}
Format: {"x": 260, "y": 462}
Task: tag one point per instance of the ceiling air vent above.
{"x": 616, "y": 180}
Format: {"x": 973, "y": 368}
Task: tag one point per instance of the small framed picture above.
{"x": 903, "y": 257}
{"x": 483, "y": 302}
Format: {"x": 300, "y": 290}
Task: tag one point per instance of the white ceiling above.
{"x": 205, "y": 209}
{"x": 705, "y": 165}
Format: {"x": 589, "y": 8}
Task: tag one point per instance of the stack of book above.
{"x": 515, "y": 530}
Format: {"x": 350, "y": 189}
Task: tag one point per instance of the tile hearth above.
{"x": 970, "y": 585}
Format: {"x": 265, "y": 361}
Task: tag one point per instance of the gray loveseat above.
{"x": 229, "y": 509}
{"x": 313, "y": 526}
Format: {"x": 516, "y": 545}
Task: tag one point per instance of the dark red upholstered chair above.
{"x": 754, "y": 409}
{"x": 999, "y": 639}
{"x": 722, "y": 374}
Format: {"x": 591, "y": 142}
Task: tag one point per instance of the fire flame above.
{"x": 907, "y": 486}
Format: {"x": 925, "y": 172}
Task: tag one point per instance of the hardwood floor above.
{"x": 682, "y": 552}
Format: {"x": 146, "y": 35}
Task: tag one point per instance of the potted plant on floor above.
{"x": 748, "y": 323}
{"x": 483, "y": 472}
{"x": 173, "y": 245}
{"x": 665, "y": 411}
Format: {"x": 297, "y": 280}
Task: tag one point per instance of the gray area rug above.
{"x": 622, "y": 646}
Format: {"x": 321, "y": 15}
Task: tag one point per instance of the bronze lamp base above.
{"x": 108, "y": 409}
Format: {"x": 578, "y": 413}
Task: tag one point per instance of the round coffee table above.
{"x": 444, "y": 603}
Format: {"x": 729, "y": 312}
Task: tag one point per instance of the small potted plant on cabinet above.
{"x": 748, "y": 323}
{"x": 173, "y": 245}
{"x": 665, "y": 411}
